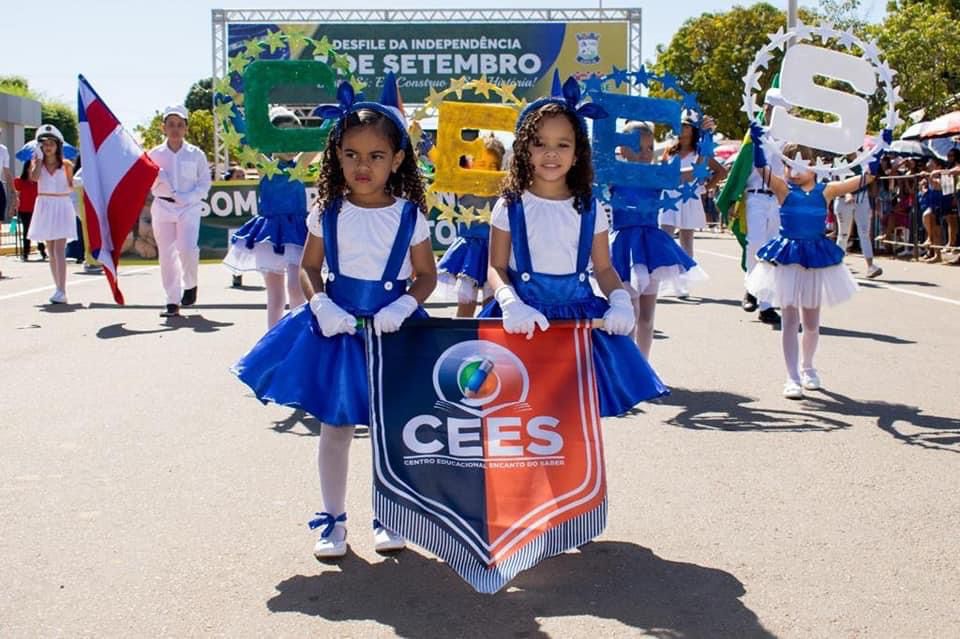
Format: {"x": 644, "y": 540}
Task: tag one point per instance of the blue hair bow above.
{"x": 346, "y": 98}
{"x": 569, "y": 97}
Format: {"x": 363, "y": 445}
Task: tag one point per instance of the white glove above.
{"x": 517, "y": 316}
{"x": 333, "y": 320}
{"x": 389, "y": 318}
{"x": 620, "y": 318}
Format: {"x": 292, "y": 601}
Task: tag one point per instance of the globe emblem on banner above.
{"x": 479, "y": 377}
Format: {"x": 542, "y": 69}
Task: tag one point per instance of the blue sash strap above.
{"x": 518, "y": 237}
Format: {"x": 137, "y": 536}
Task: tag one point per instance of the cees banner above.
{"x": 427, "y": 56}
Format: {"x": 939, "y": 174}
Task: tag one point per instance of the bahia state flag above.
{"x": 487, "y": 449}
{"x": 117, "y": 175}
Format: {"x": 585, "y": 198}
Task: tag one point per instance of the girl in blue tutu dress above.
{"x": 801, "y": 269}
{"x": 464, "y": 265}
{"x": 547, "y": 231}
{"x": 272, "y": 242}
{"x": 642, "y": 253}
{"x": 366, "y": 240}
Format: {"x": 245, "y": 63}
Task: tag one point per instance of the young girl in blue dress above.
{"x": 546, "y": 232}
{"x": 272, "y": 242}
{"x": 464, "y": 265}
{"x": 371, "y": 234}
{"x": 644, "y": 255}
{"x": 801, "y": 269}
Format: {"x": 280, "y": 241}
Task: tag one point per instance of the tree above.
{"x": 55, "y": 112}
{"x": 199, "y": 131}
{"x": 951, "y": 6}
{"x": 200, "y": 96}
{"x": 920, "y": 41}
{"x": 710, "y": 54}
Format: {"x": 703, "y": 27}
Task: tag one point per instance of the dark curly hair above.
{"x": 580, "y": 176}
{"x": 406, "y": 182}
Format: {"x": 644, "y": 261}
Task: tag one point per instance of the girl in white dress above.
{"x": 54, "y": 218}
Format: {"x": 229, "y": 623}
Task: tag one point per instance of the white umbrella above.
{"x": 915, "y": 131}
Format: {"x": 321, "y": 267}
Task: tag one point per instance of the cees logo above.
{"x": 472, "y": 380}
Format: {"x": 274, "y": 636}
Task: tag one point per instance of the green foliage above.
{"x": 63, "y": 117}
{"x": 920, "y": 41}
{"x": 16, "y": 85}
{"x": 199, "y": 131}
{"x": 710, "y": 55}
{"x": 950, "y": 6}
{"x": 200, "y": 96}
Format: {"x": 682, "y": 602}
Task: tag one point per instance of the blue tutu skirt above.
{"x": 466, "y": 257}
{"x": 295, "y": 365}
{"x": 624, "y": 377}
{"x": 641, "y": 254}
{"x": 813, "y": 253}
{"x": 267, "y": 244}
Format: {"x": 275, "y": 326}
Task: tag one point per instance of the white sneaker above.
{"x": 874, "y": 271}
{"x": 792, "y": 390}
{"x": 58, "y": 297}
{"x": 385, "y": 540}
{"x": 809, "y": 380}
{"x": 332, "y": 542}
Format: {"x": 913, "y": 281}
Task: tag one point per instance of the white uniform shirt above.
{"x": 553, "y": 232}
{"x": 184, "y": 176}
{"x": 365, "y": 237}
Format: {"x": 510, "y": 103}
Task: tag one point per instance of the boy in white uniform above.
{"x": 181, "y": 185}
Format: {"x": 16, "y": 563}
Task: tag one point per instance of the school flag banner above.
{"x": 487, "y": 448}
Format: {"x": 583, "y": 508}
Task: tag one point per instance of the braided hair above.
{"x": 580, "y": 177}
{"x": 406, "y": 182}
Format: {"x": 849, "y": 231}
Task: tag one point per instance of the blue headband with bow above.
{"x": 350, "y": 101}
{"x": 568, "y": 96}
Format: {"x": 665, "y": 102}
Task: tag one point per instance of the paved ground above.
{"x": 168, "y": 502}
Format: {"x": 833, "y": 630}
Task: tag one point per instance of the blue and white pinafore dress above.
{"x": 295, "y": 365}
{"x": 275, "y": 237}
{"x": 624, "y": 378}
{"x": 801, "y": 266}
{"x": 640, "y": 250}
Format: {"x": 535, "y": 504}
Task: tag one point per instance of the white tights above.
{"x": 333, "y": 456}
{"x": 277, "y": 297}
{"x": 789, "y": 329}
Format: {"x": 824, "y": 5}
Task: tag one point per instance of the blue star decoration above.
{"x": 620, "y": 76}
{"x": 593, "y": 83}
{"x": 690, "y": 101}
{"x": 707, "y": 145}
{"x": 668, "y": 203}
{"x": 688, "y": 190}
{"x": 701, "y": 171}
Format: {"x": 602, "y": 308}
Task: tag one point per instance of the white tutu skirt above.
{"x": 795, "y": 285}
{"x": 262, "y": 257}
{"x": 53, "y": 219}
{"x": 688, "y": 215}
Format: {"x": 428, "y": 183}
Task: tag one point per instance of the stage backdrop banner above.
{"x": 487, "y": 448}
{"x": 427, "y": 56}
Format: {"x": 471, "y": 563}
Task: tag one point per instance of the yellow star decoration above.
{"x": 447, "y": 212}
{"x": 230, "y": 138}
{"x": 222, "y": 85}
{"x": 357, "y": 84}
{"x": 322, "y": 47}
{"x": 341, "y": 63}
{"x": 457, "y": 86}
{"x": 298, "y": 40}
{"x": 472, "y": 215}
{"x": 482, "y": 87}
{"x": 301, "y": 172}
{"x": 238, "y": 63}
{"x": 252, "y": 49}
{"x": 434, "y": 99}
{"x": 507, "y": 92}
{"x": 269, "y": 168}
{"x": 224, "y": 111}
{"x": 247, "y": 155}
{"x": 275, "y": 40}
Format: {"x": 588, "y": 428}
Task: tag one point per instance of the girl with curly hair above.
{"x": 547, "y": 231}
{"x": 371, "y": 232}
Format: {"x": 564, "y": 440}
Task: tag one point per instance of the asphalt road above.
{"x": 144, "y": 492}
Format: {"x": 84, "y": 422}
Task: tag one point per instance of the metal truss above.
{"x": 221, "y": 18}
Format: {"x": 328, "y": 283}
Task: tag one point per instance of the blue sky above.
{"x": 140, "y": 59}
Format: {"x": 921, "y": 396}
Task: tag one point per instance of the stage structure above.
{"x": 428, "y": 49}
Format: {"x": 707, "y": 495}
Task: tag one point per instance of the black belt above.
{"x": 760, "y": 191}
{"x": 165, "y": 198}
